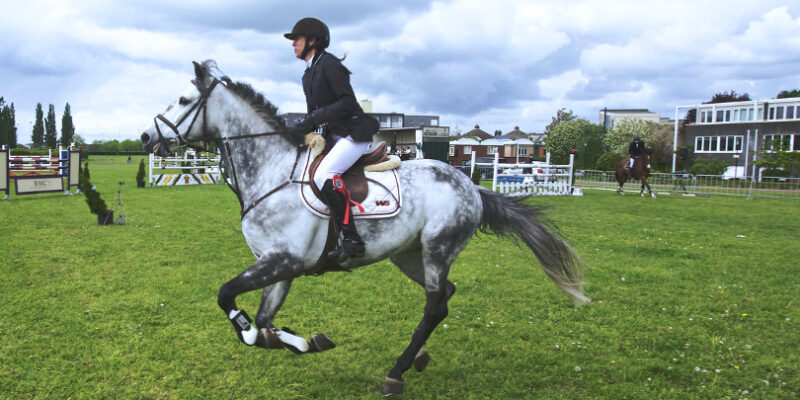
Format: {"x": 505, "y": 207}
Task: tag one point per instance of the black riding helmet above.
{"x": 636, "y": 138}
{"x": 311, "y": 27}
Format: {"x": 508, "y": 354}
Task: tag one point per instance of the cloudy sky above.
{"x": 499, "y": 64}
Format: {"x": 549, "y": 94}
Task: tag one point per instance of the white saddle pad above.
{"x": 383, "y": 199}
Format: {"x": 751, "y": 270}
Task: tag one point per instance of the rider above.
{"x": 332, "y": 105}
{"x": 635, "y": 150}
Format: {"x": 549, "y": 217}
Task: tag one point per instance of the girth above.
{"x": 354, "y": 178}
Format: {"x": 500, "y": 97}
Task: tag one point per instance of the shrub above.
{"x": 708, "y": 166}
{"x": 96, "y": 204}
{"x": 140, "y": 174}
{"x": 476, "y": 176}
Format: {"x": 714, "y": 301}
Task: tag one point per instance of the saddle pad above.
{"x": 383, "y": 199}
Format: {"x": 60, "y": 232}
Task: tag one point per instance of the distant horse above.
{"x": 441, "y": 210}
{"x": 641, "y": 171}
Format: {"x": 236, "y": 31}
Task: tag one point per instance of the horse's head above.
{"x": 184, "y": 121}
{"x": 647, "y": 157}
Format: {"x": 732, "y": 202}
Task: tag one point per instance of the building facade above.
{"x": 736, "y": 132}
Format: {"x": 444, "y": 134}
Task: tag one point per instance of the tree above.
{"x": 78, "y": 140}
{"x": 37, "y": 136}
{"x": 562, "y": 115}
{"x": 785, "y": 94}
{"x": 8, "y": 124}
{"x": 50, "y": 138}
{"x": 564, "y": 137}
{"x": 590, "y": 146}
{"x": 67, "y": 128}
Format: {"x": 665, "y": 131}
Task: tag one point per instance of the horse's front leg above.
{"x": 271, "y": 338}
{"x": 270, "y": 269}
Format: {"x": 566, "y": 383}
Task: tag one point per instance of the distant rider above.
{"x": 635, "y": 150}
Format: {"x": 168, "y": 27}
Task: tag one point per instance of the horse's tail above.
{"x": 507, "y": 217}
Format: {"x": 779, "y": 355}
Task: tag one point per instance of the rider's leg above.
{"x": 339, "y": 159}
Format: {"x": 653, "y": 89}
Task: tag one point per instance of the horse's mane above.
{"x": 262, "y": 106}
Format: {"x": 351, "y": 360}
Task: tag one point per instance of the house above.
{"x": 512, "y": 147}
{"x": 736, "y": 132}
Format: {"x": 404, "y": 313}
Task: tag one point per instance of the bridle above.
{"x": 200, "y": 107}
{"x": 197, "y": 108}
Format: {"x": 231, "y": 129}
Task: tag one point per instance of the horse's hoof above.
{"x": 421, "y": 360}
{"x": 392, "y": 387}
{"x": 320, "y": 342}
{"x": 653, "y": 195}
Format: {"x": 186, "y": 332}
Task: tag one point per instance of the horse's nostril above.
{"x": 145, "y": 138}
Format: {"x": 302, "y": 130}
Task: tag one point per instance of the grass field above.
{"x": 694, "y": 298}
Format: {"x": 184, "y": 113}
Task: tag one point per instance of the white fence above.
{"x": 186, "y": 170}
{"x": 527, "y": 179}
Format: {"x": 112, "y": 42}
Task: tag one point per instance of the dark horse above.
{"x": 641, "y": 170}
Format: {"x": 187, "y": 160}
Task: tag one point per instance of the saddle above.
{"x": 354, "y": 178}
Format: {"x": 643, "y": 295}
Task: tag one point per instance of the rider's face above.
{"x": 299, "y": 43}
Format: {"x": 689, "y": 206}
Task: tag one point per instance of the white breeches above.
{"x": 630, "y": 166}
{"x": 341, "y": 157}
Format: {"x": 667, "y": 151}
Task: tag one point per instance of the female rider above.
{"x": 332, "y": 105}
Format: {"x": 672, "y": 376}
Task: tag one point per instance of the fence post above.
{"x": 571, "y": 161}
{"x": 472, "y": 165}
{"x": 494, "y": 171}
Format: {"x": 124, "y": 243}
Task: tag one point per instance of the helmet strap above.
{"x": 306, "y": 49}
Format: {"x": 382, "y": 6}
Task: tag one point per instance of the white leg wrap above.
{"x": 248, "y": 335}
{"x": 292, "y": 340}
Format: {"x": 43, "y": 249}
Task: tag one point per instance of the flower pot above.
{"x": 106, "y": 218}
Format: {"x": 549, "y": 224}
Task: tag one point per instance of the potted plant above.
{"x": 140, "y": 175}
{"x": 97, "y": 206}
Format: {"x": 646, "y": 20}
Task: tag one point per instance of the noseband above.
{"x": 198, "y": 106}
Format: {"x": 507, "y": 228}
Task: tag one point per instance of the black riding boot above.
{"x": 351, "y": 243}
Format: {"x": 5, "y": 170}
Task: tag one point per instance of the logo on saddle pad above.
{"x": 382, "y": 198}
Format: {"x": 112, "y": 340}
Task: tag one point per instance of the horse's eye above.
{"x": 183, "y": 101}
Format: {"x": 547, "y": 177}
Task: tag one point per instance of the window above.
{"x": 779, "y": 112}
{"x": 790, "y": 112}
{"x": 771, "y": 113}
{"x": 467, "y": 150}
{"x": 788, "y": 142}
{"x": 452, "y": 151}
{"x": 491, "y": 150}
{"x": 718, "y": 144}
{"x": 720, "y": 116}
{"x": 727, "y": 115}
{"x": 522, "y": 151}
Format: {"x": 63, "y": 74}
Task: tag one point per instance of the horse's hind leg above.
{"x": 429, "y": 269}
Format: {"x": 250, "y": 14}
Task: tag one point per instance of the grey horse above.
{"x": 441, "y": 211}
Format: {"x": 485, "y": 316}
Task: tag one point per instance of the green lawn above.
{"x": 694, "y": 298}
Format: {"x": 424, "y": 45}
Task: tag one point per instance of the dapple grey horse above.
{"x": 441, "y": 210}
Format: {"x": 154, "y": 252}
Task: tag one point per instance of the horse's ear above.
{"x": 199, "y": 71}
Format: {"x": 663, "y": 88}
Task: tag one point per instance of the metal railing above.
{"x": 776, "y": 187}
